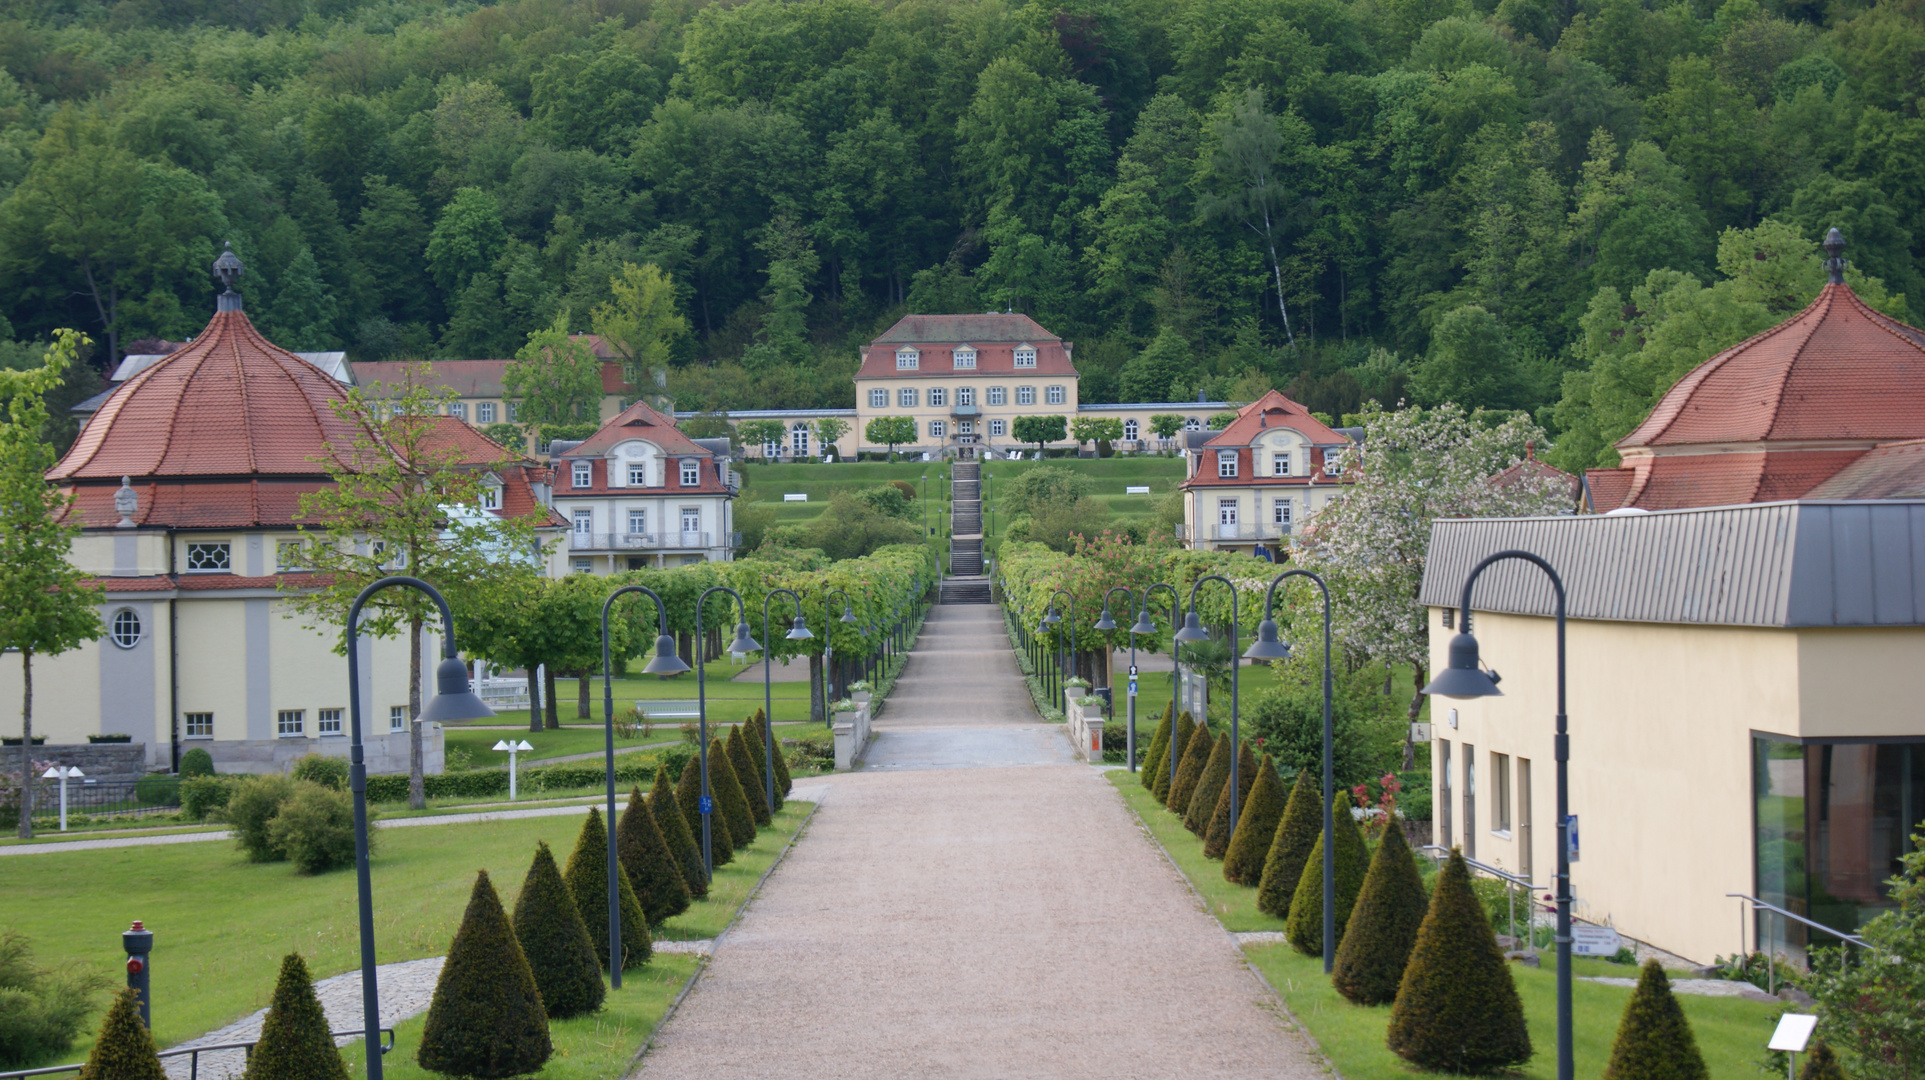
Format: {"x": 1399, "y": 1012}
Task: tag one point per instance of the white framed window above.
{"x": 998, "y": 395}
{"x": 290, "y": 555}
{"x": 1501, "y": 806}
{"x": 1025, "y": 395}
{"x": 637, "y": 522}
{"x": 1131, "y": 429}
{"x": 458, "y": 410}
{"x": 691, "y": 523}
{"x": 907, "y": 359}
{"x": 938, "y": 429}
{"x": 1226, "y": 511}
{"x": 1193, "y": 424}
{"x": 999, "y": 427}
{"x": 938, "y": 397}
{"x": 584, "y": 566}
{"x": 485, "y": 412}
{"x": 199, "y": 725}
{"x": 799, "y": 439}
{"x": 584, "y": 524}
{"x": 1055, "y": 395}
{"x": 291, "y": 723}
{"x": 1226, "y": 463}
{"x": 965, "y": 395}
{"x": 691, "y": 473}
{"x": 583, "y": 474}
{"x": 397, "y": 718}
{"x": 771, "y": 448}
{"x": 513, "y": 411}
{"x": 125, "y": 630}
{"x": 1280, "y": 465}
{"x": 965, "y": 427}
{"x": 965, "y": 358}
{"x": 1333, "y": 462}
{"x": 878, "y": 399}
{"x": 1280, "y": 513}
{"x": 327, "y": 721}
{"x": 208, "y": 558}
{"x": 637, "y": 475}
{"x": 1025, "y": 356}
{"x": 906, "y": 398}
{"x": 490, "y": 497}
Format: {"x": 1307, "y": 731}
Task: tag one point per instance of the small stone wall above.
{"x": 386, "y": 753}
{"x": 99, "y": 761}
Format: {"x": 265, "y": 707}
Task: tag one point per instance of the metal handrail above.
{"x": 193, "y": 1054}
{"x": 1529, "y": 887}
{"x": 1852, "y": 939}
{"x": 1485, "y": 867}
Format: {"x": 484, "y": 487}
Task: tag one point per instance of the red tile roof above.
{"x": 638, "y": 421}
{"x": 1678, "y": 481}
{"x": 1275, "y": 410}
{"x": 1891, "y": 471}
{"x": 207, "y": 582}
{"x": 994, "y": 337}
{"x": 464, "y": 444}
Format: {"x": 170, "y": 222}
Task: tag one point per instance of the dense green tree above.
{"x": 1257, "y": 819}
{"x": 1151, "y": 764}
{"x": 748, "y": 769}
{"x": 1216, "y": 771}
{"x": 556, "y": 380}
{"x": 124, "y": 1050}
{"x": 1216, "y": 836}
{"x": 587, "y": 878}
{"x": 731, "y": 800}
{"x": 673, "y": 825}
{"x": 1189, "y": 769}
{"x": 1352, "y": 862}
{"x": 1297, "y": 832}
{"x": 688, "y": 795}
{"x": 295, "y": 1040}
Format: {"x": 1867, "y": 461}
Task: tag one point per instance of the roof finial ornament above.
{"x": 126, "y": 501}
{"x": 228, "y": 268}
{"x": 1835, "y": 255}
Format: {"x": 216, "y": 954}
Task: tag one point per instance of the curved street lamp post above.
{"x": 1049, "y": 621}
{"x": 1145, "y": 626}
{"x": 743, "y": 643}
{"x": 1193, "y": 631}
{"x": 665, "y": 662}
{"x": 828, "y": 652}
{"x": 1465, "y": 678}
{"x": 454, "y": 700}
{"x": 798, "y": 631}
{"x": 1269, "y": 647}
{"x": 1104, "y": 622}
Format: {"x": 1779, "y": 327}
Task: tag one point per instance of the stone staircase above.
{"x": 965, "y": 583}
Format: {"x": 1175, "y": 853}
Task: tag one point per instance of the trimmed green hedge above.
{"x": 630, "y": 769}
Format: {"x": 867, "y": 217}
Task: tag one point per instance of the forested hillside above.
{"x": 1552, "y": 205}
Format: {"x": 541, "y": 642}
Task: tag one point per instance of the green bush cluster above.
{"x": 1383, "y": 925}
{"x": 296, "y": 1042}
{"x": 587, "y": 878}
{"x": 41, "y": 1009}
{"x": 748, "y": 771}
{"x": 1457, "y": 1009}
{"x": 1247, "y": 850}
{"x": 1159, "y": 745}
{"x": 652, "y": 868}
{"x": 486, "y": 1019}
{"x": 203, "y": 795}
{"x": 1189, "y": 768}
{"x": 688, "y": 796}
{"x": 1305, "y": 924}
{"x": 1290, "y": 848}
{"x": 196, "y": 762}
{"x": 674, "y": 825}
{"x": 278, "y": 818}
{"x": 327, "y": 770}
{"x": 1216, "y": 836}
{"x": 569, "y": 776}
{"x": 1209, "y": 785}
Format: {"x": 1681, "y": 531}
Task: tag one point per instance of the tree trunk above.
{"x": 816, "y": 705}
{"x": 685, "y": 644}
{"x": 417, "y": 793}
{"x": 1416, "y": 706}
{"x": 26, "y": 744}
{"x": 534, "y": 697}
{"x": 548, "y": 696}
{"x": 584, "y": 708}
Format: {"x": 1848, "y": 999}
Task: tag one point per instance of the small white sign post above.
{"x": 60, "y": 774}
{"x": 1793, "y": 1033}
{"x": 1595, "y": 941}
{"x": 513, "y": 748}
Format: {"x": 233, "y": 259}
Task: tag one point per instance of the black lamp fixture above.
{"x": 1103, "y": 621}
{"x": 1192, "y": 629}
{"x": 1267, "y": 646}
{"x": 1144, "y": 625}
{"x": 454, "y": 698}
{"x": 798, "y": 631}
{"x": 743, "y": 643}
{"x": 1466, "y": 676}
{"x": 1050, "y": 618}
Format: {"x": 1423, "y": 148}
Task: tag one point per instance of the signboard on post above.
{"x": 1595, "y": 941}
{"x": 1419, "y": 733}
{"x": 1570, "y": 835}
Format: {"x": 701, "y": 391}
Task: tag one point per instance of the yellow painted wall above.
{"x": 1861, "y": 682}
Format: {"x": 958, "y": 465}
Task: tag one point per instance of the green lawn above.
{"x": 1731, "y": 1032}
{"x": 547, "y": 744}
{"x": 222, "y": 924}
{"x": 768, "y": 483}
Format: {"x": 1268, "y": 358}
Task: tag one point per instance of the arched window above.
{"x": 1193, "y": 424}
{"x": 799, "y": 438}
{"x": 126, "y": 628}
{"x": 1130, "y": 429}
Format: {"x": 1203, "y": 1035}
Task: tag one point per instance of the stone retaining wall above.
{"x": 99, "y": 761}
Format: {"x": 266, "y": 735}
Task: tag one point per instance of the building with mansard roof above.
{"x": 640, "y": 493}
{"x": 1255, "y": 481}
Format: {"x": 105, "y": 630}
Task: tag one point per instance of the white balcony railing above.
{"x": 632, "y": 541}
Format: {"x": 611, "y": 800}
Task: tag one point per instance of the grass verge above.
{"x": 1731, "y": 1032}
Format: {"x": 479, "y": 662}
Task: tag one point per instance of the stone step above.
{"x": 965, "y": 591}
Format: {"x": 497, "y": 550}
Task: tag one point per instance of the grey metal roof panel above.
{"x": 1768, "y": 564}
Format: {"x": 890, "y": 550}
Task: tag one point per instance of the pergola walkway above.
{"x": 973, "y": 903}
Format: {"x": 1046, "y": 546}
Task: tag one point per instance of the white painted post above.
{"x": 512, "y": 748}
{"x": 57, "y": 773}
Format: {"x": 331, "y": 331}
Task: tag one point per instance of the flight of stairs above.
{"x": 965, "y": 583}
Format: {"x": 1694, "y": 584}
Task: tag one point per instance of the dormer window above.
{"x": 637, "y": 474}
{"x": 583, "y": 474}
{"x": 691, "y": 473}
{"x": 1333, "y": 462}
{"x": 1280, "y": 465}
{"x": 1226, "y": 464}
{"x": 965, "y": 358}
{"x": 1025, "y": 356}
{"x": 907, "y": 359}
{"x": 491, "y": 497}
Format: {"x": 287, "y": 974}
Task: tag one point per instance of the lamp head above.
{"x": 1143, "y": 623}
{"x": 1465, "y": 677}
{"x": 798, "y": 631}
{"x": 454, "y": 700}
{"x": 1192, "y": 629}
{"x": 1267, "y": 646}
{"x": 502, "y": 744}
{"x": 665, "y": 661}
{"x": 743, "y": 643}
{"x": 1105, "y": 622}
{"x": 848, "y": 616}
{"x": 524, "y": 745}
{"x": 1051, "y": 619}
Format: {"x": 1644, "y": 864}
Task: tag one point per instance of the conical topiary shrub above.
{"x": 730, "y": 800}
{"x": 688, "y": 795}
{"x": 1305, "y": 925}
{"x": 674, "y": 826}
{"x": 486, "y": 1018}
{"x": 1209, "y": 784}
{"x": 124, "y": 1050}
{"x": 1821, "y": 1064}
{"x": 561, "y": 954}
{"x": 1216, "y": 839}
{"x": 295, "y": 1042}
{"x": 767, "y": 755}
{"x": 1189, "y": 769}
{"x": 748, "y": 771}
{"x": 1159, "y": 745}
{"x": 1383, "y": 925}
{"x": 1654, "y": 1039}
{"x": 1296, "y": 835}
{"x": 651, "y": 867}
{"x": 783, "y": 782}
{"x": 1257, "y": 819}
{"x": 1173, "y": 752}
{"x": 587, "y": 880}
{"x": 1457, "y": 1009}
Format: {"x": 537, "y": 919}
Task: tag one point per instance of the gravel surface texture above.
{"x": 1002, "y": 920}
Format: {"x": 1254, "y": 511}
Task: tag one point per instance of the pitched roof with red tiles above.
{"x": 1270, "y": 411}
{"x": 463, "y": 444}
{"x": 638, "y": 421}
{"x": 994, "y": 337}
{"x": 1835, "y": 371}
{"x": 1889, "y": 471}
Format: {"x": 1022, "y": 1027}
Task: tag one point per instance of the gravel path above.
{"x": 977, "y": 909}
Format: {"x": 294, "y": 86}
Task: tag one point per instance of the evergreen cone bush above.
{"x": 1159, "y": 745}
{"x": 1305, "y": 925}
{"x": 1189, "y": 768}
{"x": 767, "y": 755}
{"x": 1209, "y": 785}
{"x": 730, "y": 800}
{"x": 1257, "y": 819}
{"x": 784, "y": 784}
{"x": 652, "y": 869}
{"x": 1216, "y": 839}
{"x": 748, "y": 771}
{"x": 1821, "y": 1064}
{"x": 674, "y": 826}
{"x": 688, "y": 795}
{"x": 1383, "y": 925}
{"x": 295, "y": 1037}
{"x": 1457, "y": 1009}
{"x": 587, "y": 880}
{"x": 561, "y": 954}
{"x": 1654, "y": 1039}
{"x": 124, "y": 1050}
{"x": 486, "y": 1018}
{"x": 1296, "y": 835}
{"x": 1173, "y": 752}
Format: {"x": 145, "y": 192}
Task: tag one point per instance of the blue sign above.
{"x": 708, "y": 804}
{"x": 1570, "y": 835}
{"x": 1132, "y": 686}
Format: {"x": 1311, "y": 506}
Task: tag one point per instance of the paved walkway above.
{"x": 974, "y": 904}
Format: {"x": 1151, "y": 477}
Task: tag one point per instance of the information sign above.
{"x": 1595, "y": 941}
{"x": 708, "y": 804}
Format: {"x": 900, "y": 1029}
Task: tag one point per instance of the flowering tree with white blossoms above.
{"x": 1413, "y": 467}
